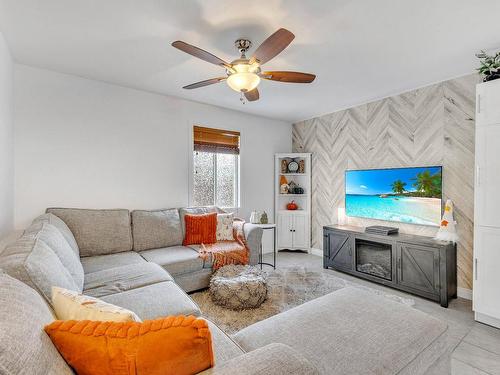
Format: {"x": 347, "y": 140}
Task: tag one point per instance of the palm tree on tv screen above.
{"x": 427, "y": 184}
{"x": 398, "y": 186}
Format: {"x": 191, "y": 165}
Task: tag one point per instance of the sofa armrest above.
{"x": 272, "y": 359}
{"x": 253, "y": 236}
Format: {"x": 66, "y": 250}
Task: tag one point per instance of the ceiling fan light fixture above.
{"x": 243, "y": 82}
{"x": 244, "y": 78}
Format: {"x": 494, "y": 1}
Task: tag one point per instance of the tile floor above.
{"x": 473, "y": 348}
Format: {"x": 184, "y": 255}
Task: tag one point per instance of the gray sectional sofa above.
{"x": 110, "y": 238}
{"x": 136, "y": 260}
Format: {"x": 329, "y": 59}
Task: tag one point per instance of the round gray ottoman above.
{"x": 238, "y": 287}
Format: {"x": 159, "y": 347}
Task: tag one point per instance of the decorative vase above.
{"x": 284, "y": 166}
{"x": 255, "y": 217}
{"x": 491, "y": 77}
{"x": 302, "y": 166}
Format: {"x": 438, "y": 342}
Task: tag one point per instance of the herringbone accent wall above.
{"x": 429, "y": 126}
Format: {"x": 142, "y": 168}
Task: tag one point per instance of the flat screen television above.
{"x": 408, "y": 195}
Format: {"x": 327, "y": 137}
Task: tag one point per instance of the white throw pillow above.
{"x": 70, "y": 305}
{"x": 225, "y": 227}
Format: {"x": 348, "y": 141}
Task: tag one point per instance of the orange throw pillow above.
{"x": 177, "y": 345}
{"x": 200, "y": 229}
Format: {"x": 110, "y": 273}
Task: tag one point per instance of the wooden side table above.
{"x": 273, "y": 228}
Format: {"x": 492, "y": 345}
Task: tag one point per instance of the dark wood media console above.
{"x": 416, "y": 264}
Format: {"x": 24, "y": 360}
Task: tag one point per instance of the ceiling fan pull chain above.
{"x": 243, "y": 99}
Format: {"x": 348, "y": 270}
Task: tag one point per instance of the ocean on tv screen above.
{"x": 408, "y": 195}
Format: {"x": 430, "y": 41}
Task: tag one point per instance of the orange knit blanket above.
{"x": 228, "y": 252}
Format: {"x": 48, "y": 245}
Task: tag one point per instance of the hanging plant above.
{"x": 490, "y": 66}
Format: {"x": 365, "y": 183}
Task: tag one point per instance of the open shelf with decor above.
{"x": 293, "y": 200}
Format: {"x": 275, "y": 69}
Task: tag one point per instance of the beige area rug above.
{"x": 287, "y": 287}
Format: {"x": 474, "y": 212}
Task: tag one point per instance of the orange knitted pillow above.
{"x": 200, "y": 229}
{"x": 173, "y": 345}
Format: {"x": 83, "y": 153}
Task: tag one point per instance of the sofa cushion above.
{"x": 155, "y": 229}
{"x": 120, "y": 279}
{"x": 200, "y": 229}
{"x": 194, "y": 211}
{"x": 98, "y": 232}
{"x": 225, "y": 227}
{"x": 9, "y": 238}
{"x": 104, "y": 262}
{"x": 156, "y": 300}
{"x": 70, "y": 305}
{"x": 62, "y": 227}
{"x": 52, "y": 237}
{"x": 24, "y": 347}
{"x": 174, "y": 345}
{"x": 384, "y": 336}
{"x": 176, "y": 260}
{"x": 272, "y": 359}
{"x": 33, "y": 262}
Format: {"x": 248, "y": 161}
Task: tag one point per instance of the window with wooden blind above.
{"x": 215, "y": 167}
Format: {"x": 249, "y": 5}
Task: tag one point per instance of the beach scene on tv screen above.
{"x": 408, "y": 195}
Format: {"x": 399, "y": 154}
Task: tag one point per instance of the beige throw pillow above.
{"x": 225, "y": 227}
{"x": 70, "y": 305}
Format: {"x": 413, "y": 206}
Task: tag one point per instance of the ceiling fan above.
{"x": 243, "y": 75}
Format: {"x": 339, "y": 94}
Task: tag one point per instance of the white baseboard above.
{"x": 487, "y": 319}
{"x": 464, "y": 293}
{"x": 317, "y": 252}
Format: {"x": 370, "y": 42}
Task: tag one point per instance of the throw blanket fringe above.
{"x": 228, "y": 252}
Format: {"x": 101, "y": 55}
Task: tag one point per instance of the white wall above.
{"x": 6, "y": 140}
{"x": 84, "y": 143}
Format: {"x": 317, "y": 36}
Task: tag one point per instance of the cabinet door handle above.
{"x": 475, "y": 269}
{"x": 350, "y": 252}
{"x": 479, "y": 103}
{"x": 399, "y": 262}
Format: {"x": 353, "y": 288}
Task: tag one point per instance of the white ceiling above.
{"x": 361, "y": 50}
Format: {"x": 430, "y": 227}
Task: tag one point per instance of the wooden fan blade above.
{"x": 252, "y": 95}
{"x": 199, "y": 53}
{"x": 272, "y": 46}
{"x": 204, "y": 83}
{"x": 295, "y": 77}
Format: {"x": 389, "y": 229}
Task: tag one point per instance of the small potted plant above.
{"x": 490, "y": 66}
